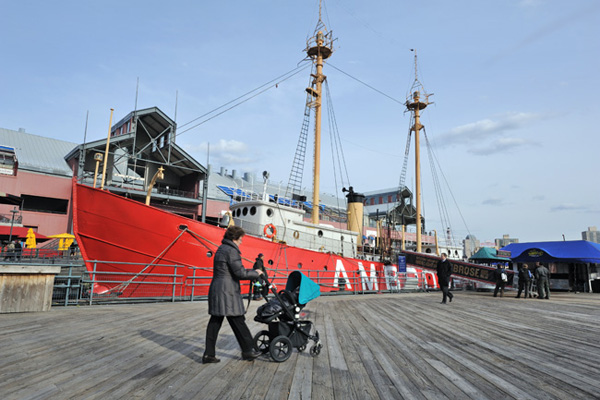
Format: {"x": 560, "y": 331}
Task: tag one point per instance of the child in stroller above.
{"x": 282, "y": 315}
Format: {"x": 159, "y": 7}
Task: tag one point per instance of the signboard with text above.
{"x": 460, "y": 269}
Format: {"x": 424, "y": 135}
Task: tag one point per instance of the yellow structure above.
{"x": 65, "y": 240}
{"x": 30, "y": 240}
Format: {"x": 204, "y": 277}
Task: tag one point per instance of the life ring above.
{"x": 270, "y": 231}
{"x": 296, "y": 234}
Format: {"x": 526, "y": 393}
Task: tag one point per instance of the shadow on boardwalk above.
{"x": 375, "y": 346}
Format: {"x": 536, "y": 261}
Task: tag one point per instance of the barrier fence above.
{"x": 122, "y": 283}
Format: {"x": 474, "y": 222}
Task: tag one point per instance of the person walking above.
{"x": 444, "y": 270}
{"x": 524, "y": 279}
{"x": 259, "y": 265}
{"x": 225, "y": 297}
{"x": 501, "y": 279}
{"x": 542, "y": 275}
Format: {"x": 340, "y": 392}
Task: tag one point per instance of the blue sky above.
{"x": 516, "y": 92}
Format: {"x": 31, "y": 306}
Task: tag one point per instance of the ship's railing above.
{"x": 161, "y": 280}
{"x": 76, "y": 286}
{"x": 39, "y": 255}
{"x": 358, "y": 283}
{"x": 302, "y": 239}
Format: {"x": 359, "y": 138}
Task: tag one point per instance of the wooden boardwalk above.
{"x": 392, "y": 346}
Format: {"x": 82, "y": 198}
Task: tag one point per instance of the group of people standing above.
{"x": 542, "y": 277}
{"x": 541, "y": 274}
{"x": 526, "y": 278}
{"x": 12, "y": 250}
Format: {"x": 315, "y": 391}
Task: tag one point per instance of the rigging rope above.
{"x": 433, "y": 156}
{"x": 269, "y": 85}
{"x": 367, "y": 85}
{"x": 337, "y": 153}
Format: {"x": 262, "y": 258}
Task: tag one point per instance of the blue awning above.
{"x": 575, "y": 251}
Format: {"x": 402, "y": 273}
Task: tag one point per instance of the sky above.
{"x": 512, "y": 124}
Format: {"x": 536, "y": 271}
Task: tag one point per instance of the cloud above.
{"x": 486, "y": 136}
{"x": 487, "y": 128}
{"x": 494, "y": 202}
{"x": 223, "y": 152}
{"x": 501, "y": 145}
{"x": 547, "y": 29}
{"x": 568, "y": 207}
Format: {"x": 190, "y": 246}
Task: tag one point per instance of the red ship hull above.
{"x": 120, "y": 237}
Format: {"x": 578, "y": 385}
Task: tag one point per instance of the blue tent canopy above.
{"x": 308, "y": 289}
{"x": 574, "y": 251}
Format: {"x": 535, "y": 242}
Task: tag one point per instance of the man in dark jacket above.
{"x": 501, "y": 279}
{"x": 444, "y": 270}
{"x": 225, "y": 297}
{"x": 523, "y": 281}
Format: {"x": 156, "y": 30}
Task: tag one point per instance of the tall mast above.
{"x": 415, "y": 105}
{"x": 318, "y": 48}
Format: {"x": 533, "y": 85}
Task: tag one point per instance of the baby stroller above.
{"x": 282, "y": 315}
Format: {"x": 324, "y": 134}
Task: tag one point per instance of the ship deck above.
{"x": 387, "y": 346}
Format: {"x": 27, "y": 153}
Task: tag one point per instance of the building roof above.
{"x": 575, "y": 251}
{"x": 38, "y": 153}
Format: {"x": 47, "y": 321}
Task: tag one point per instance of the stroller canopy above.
{"x": 307, "y": 289}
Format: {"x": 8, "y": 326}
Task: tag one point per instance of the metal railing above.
{"x": 40, "y": 255}
{"x": 122, "y": 282}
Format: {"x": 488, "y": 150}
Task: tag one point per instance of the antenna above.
{"x": 82, "y": 151}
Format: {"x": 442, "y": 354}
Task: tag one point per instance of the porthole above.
{"x": 320, "y": 234}
{"x": 299, "y": 265}
{"x": 238, "y": 212}
{"x": 209, "y": 254}
{"x": 245, "y": 211}
{"x": 270, "y": 262}
{"x": 252, "y": 210}
{"x": 342, "y": 238}
{"x": 269, "y": 212}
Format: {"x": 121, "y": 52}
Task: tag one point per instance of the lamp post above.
{"x": 14, "y": 211}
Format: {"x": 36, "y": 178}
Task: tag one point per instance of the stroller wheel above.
{"x": 302, "y": 348}
{"x": 315, "y": 350}
{"x": 281, "y": 348}
{"x": 262, "y": 341}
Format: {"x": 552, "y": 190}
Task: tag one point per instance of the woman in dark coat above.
{"x": 225, "y": 297}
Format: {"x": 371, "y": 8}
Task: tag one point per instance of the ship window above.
{"x": 245, "y": 211}
{"x": 252, "y": 210}
{"x": 269, "y": 212}
{"x": 299, "y": 265}
{"x": 209, "y": 254}
{"x": 270, "y": 262}
{"x": 342, "y": 238}
{"x": 320, "y": 234}
{"x": 238, "y": 212}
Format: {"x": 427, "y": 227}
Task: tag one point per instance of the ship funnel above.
{"x": 355, "y": 211}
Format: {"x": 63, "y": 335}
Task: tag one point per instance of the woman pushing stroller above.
{"x": 225, "y": 298}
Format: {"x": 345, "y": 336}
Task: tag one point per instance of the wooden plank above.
{"x": 374, "y": 346}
